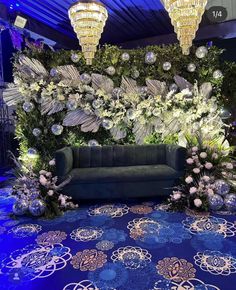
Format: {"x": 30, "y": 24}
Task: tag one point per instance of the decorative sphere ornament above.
{"x": 222, "y": 187}
{"x": 215, "y": 202}
{"x": 125, "y": 56}
{"x": 130, "y": 114}
{"x": 117, "y": 93}
{"x": 225, "y": 114}
{"x": 217, "y": 74}
{"x": 230, "y": 202}
{"x": 97, "y": 104}
{"x": 32, "y": 152}
{"x": 20, "y": 207}
{"x": 53, "y": 72}
{"x": 110, "y": 70}
{"x": 57, "y": 129}
{"x": 191, "y": 67}
{"x": 71, "y": 105}
{"x": 85, "y": 78}
{"x": 107, "y": 123}
{"x": 150, "y": 57}
{"x": 75, "y": 57}
{"x": 135, "y": 74}
{"x": 37, "y": 207}
{"x": 166, "y": 66}
{"x": 28, "y": 107}
{"x": 201, "y": 52}
{"x": 37, "y": 132}
{"x": 93, "y": 142}
{"x": 173, "y": 87}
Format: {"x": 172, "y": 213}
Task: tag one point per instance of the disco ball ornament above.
{"x": 230, "y": 202}
{"x": 71, "y": 105}
{"x": 215, "y": 202}
{"x": 93, "y": 143}
{"x": 201, "y": 52}
{"x": 135, "y": 74}
{"x": 217, "y": 74}
{"x": 142, "y": 91}
{"x": 150, "y": 57}
{"x": 53, "y": 72}
{"x": 28, "y": 107}
{"x": 117, "y": 93}
{"x": 173, "y": 87}
{"x": 32, "y": 152}
{"x": 20, "y": 207}
{"x": 222, "y": 187}
{"x": 57, "y": 129}
{"x": 166, "y": 66}
{"x": 75, "y": 57}
{"x": 110, "y": 70}
{"x": 37, "y": 132}
{"x": 85, "y": 78}
{"x": 130, "y": 114}
{"x": 107, "y": 123}
{"x": 125, "y": 56}
{"x": 37, "y": 207}
{"x": 191, "y": 67}
{"x": 97, "y": 104}
{"x": 225, "y": 114}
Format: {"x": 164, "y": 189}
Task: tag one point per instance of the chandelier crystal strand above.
{"x": 88, "y": 19}
{"x": 186, "y": 16}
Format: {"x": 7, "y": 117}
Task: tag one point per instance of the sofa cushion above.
{"x": 123, "y": 174}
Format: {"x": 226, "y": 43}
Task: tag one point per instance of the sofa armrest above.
{"x": 176, "y": 157}
{"x": 64, "y": 161}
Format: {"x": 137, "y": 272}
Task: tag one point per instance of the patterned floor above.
{"x": 123, "y": 246}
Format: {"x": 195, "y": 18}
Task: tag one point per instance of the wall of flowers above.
{"x": 149, "y": 95}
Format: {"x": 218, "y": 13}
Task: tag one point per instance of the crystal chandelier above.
{"x": 88, "y": 19}
{"x": 186, "y": 16}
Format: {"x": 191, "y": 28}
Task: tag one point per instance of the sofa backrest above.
{"x": 118, "y": 155}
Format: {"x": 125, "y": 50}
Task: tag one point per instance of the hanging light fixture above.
{"x": 88, "y": 19}
{"x": 186, "y": 16}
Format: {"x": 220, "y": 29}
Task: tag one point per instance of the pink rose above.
{"x": 197, "y": 202}
{"x": 210, "y": 191}
{"x": 192, "y": 190}
{"x": 195, "y": 149}
{"x": 203, "y": 155}
{"x": 42, "y": 172}
{"x": 50, "y": 192}
{"x": 196, "y": 170}
{"x": 49, "y": 174}
{"x": 189, "y": 179}
{"x": 206, "y": 178}
{"x": 176, "y": 196}
{"x": 190, "y": 161}
{"x": 42, "y": 180}
{"x": 24, "y": 178}
{"x": 52, "y": 162}
{"x": 208, "y": 165}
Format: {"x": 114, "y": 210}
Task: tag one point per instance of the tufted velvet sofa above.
{"x": 120, "y": 171}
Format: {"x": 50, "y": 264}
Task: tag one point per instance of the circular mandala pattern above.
{"x": 111, "y": 210}
{"x": 196, "y": 214}
{"x": 82, "y": 285}
{"x": 51, "y": 238}
{"x": 110, "y": 276}
{"x": 176, "y": 269}
{"x": 89, "y": 260}
{"x": 25, "y": 230}
{"x": 37, "y": 261}
{"x": 191, "y": 284}
{"x": 141, "y": 209}
{"x": 86, "y": 234}
{"x": 216, "y": 263}
{"x": 132, "y": 257}
{"x": 105, "y": 245}
{"x": 210, "y": 224}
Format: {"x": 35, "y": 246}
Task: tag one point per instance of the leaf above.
{"x": 129, "y": 85}
{"x": 141, "y": 131}
{"x": 103, "y": 83}
{"x": 206, "y": 90}
{"x": 69, "y": 72}
{"x": 33, "y": 65}
{"x": 156, "y": 87}
{"x": 11, "y": 96}
{"x": 117, "y": 133}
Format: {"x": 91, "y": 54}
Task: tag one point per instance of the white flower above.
{"x": 50, "y": 192}
{"x": 203, "y": 155}
{"x": 190, "y": 161}
{"x": 52, "y": 162}
{"x": 189, "y": 179}
{"x": 206, "y": 178}
{"x": 229, "y": 166}
{"x": 42, "y": 172}
{"x": 195, "y": 149}
{"x": 208, "y": 165}
{"x": 197, "y": 202}
{"x": 215, "y": 156}
{"x": 192, "y": 190}
{"x": 196, "y": 170}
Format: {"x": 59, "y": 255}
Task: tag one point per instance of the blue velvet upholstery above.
{"x": 120, "y": 171}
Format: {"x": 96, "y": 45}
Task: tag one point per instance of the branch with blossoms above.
{"x": 210, "y": 173}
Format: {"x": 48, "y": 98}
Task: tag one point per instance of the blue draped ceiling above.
{"x": 128, "y": 20}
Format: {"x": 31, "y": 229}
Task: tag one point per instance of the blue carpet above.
{"x": 132, "y": 245}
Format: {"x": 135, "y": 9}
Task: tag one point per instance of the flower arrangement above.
{"x": 39, "y": 194}
{"x": 210, "y": 179}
